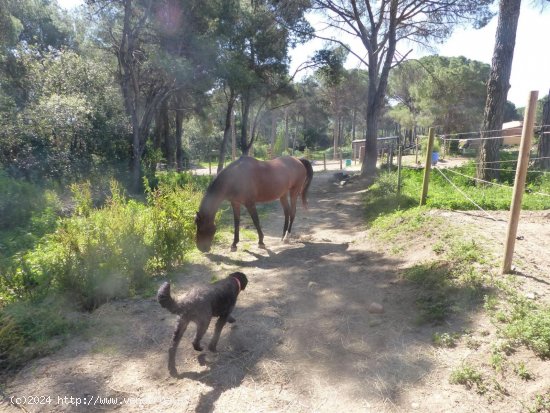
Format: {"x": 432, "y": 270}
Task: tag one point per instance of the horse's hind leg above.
{"x": 236, "y": 221}
{"x": 286, "y": 210}
{"x": 293, "y": 199}
{"x": 254, "y": 214}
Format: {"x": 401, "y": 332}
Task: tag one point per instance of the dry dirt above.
{"x": 304, "y": 340}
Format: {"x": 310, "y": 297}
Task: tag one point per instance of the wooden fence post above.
{"x": 399, "y": 155}
{"x": 427, "y": 166}
{"x": 519, "y": 182}
{"x": 324, "y": 161}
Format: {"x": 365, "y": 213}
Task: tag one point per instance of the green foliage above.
{"x": 93, "y": 256}
{"x": 173, "y": 222}
{"x": 23, "y": 204}
{"x": 497, "y": 360}
{"x": 176, "y": 180}
{"x": 455, "y": 280}
{"x": 530, "y": 326}
{"x": 521, "y": 370}
{"x": 445, "y": 339}
{"x": 468, "y": 377}
{"x": 99, "y": 254}
{"x": 33, "y": 328}
{"x": 541, "y": 403}
{"x": 443, "y": 195}
{"x": 382, "y": 198}
{"x": 438, "y": 90}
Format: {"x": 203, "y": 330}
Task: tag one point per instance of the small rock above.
{"x": 312, "y": 284}
{"x": 530, "y": 296}
{"x": 415, "y": 405}
{"x": 375, "y": 308}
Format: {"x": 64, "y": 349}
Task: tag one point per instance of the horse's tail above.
{"x": 309, "y": 177}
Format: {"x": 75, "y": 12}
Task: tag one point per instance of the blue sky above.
{"x": 531, "y": 67}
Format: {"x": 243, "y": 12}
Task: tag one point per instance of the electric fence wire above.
{"x": 494, "y": 183}
{"x": 513, "y": 170}
{"x": 465, "y": 195}
{"x": 445, "y": 135}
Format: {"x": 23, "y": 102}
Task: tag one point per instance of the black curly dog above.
{"x": 200, "y": 305}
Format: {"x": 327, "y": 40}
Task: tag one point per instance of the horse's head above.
{"x": 205, "y": 232}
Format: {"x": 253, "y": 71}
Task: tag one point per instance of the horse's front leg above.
{"x": 251, "y": 207}
{"x": 286, "y": 210}
{"x": 236, "y": 221}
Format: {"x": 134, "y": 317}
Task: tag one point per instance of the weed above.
{"x": 542, "y": 403}
{"x": 445, "y": 339}
{"x": 439, "y": 247}
{"x": 531, "y": 328}
{"x": 468, "y": 377}
{"x": 521, "y": 370}
{"x": 497, "y": 361}
{"x": 473, "y": 344}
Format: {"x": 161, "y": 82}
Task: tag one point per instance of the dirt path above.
{"x": 304, "y": 340}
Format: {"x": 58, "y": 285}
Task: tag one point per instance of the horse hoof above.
{"x": 233, "y": 248}
{"x": 262, "y": 246}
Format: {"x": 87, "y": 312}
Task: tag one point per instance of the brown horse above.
{"x": 247, "y": 181}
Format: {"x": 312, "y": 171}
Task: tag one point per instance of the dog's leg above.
{"x": 202, "y": 326}
{"x": 178, "y": 333}
{"x": 219, "y": 325}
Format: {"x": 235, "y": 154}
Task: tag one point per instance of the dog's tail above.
{"x": 165, "y": 299}
{"x": 307, "y": 182}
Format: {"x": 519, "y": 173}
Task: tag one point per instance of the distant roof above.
{"x": 512, "y": 124}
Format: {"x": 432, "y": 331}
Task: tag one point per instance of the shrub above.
{"x": 100, "y": 254}
{"x": 468, "y": 377}
{"x": 172, "y": 216}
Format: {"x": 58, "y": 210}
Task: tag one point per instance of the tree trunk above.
{"x": 179, "y": 140}
{"x": 227, "y": 130}
{"x": 335, "y": 130}
{"x": 233, "y": 138}
{"x": 497, "y": 89}
{"x": 244, "y": 124}
{"x": 543, "y": 149}
{"x": 168, "y": 142}
{"x": 285, "y": 139}
{"x": 376, "y": 90}
{"x": 273, "y": 131}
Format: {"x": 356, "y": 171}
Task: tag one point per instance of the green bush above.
{"x": 96, "y": 255}
{"x": 173, "y": 212}
{"x": 100, "y": 254}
